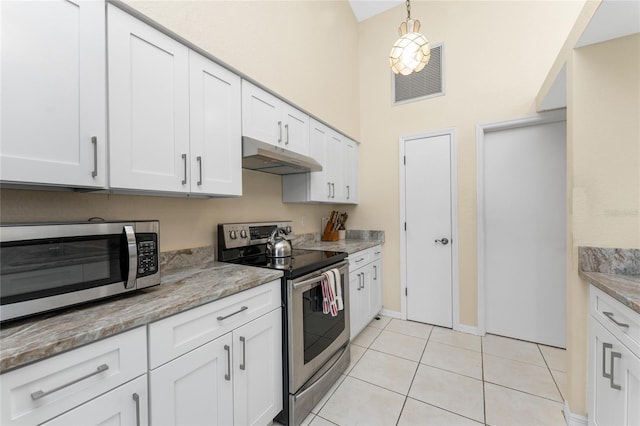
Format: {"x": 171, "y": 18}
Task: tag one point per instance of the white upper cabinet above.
{"x": 148, "y": 107}
{"x": 53, "y": 93}
{"x": 268, "y": 119}
{"x": 216, "y": 141}
{"x": 337, "y": 183}
{"x": 174, "y": 115}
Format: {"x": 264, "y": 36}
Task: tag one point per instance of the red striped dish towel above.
{"x": 331, "y": 292}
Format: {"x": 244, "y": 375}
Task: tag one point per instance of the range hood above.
{"x": 262, "y": 157}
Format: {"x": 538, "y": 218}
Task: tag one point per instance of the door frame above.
{"x": 455, "y": 290}
{"x": 481, "y": 130}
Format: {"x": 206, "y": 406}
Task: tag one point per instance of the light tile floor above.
{"x": 408, "y": 373}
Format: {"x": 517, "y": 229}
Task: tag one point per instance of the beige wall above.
{"x": 306, "y": 51}
{"x": 497, "y": 55}
{"x": 604, "y": 171}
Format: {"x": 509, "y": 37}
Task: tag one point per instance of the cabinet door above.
{"x": 296, "y": 130}
{"x": 126, "y": 405}
{"x": 53, "y": 96}
{"x": 614, "y": 380}
{"x": 334, "y": 163}
{"x": 376, "y": 287}
{"x": 196, "y": 388}
{"x": 357, "y": 302}
{"x": 350, "y": 168}
{"x": 148, "y": 107}
{"x": 319, "y": 188}
{"x": 257, "y": 366}
{"x": 216, "y": 144}
{"x": 261, "y": 115}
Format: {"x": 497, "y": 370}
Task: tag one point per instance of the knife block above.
{"x": 329, "y": 234}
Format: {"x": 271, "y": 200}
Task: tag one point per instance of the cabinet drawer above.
{"x": 376, "y": 253}
{"x": 69, "y": 379}
{"x": 623, "y": 322}
{"x": 359, "y": 259}
{"x": 176, "y": 335}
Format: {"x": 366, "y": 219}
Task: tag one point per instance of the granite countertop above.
{"x": 183, "y": 286}
{"x": 356, "y": 241}
{"x": 614, "y": 271}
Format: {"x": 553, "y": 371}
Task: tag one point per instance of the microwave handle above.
{"x": 132, "y": 250}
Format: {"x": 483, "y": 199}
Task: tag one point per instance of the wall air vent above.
{"x": 427, "y": 83}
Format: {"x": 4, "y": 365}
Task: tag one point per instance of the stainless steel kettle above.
{"x": 278, "y": 245}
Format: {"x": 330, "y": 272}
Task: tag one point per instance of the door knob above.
{"x": 443, "y": 241}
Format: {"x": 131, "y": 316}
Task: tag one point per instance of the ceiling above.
{"x": 364, "y": 9}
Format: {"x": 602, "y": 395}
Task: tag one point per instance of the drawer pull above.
{"x": 41, "y": 394}
{"x": 360, "y": 260}
{"x": 619, "y": 324}
{"x": 244, "y": 308}
{"x": 136, "y": 398}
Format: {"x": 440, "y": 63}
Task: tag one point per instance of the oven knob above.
{"x": 233, "y": 235}
{"x": 288, "y": 229}
{"x": 243, "y": 233}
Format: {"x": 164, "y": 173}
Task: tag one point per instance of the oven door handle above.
{"x": 307, "y": 282}
{"x": 132, "y": 254}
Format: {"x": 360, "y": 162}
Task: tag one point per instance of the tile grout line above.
{"x": 526, "y": 393}
{"x": 550, "y": 373}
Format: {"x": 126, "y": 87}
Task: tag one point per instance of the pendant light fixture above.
{"x": 411, "y": 52}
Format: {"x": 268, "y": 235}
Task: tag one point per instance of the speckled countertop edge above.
{"x": 184, "y": 287}
{"x": 623, "y": 288}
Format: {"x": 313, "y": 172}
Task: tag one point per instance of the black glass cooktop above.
{"x": 300, "y": 263}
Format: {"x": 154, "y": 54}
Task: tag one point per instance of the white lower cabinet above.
{"x": 365, "y": 287}
{"x": 90, "y": 385}
{"x": 235, "y": 377}
{"x": 614, "y": 362}
{"x": 126, "y": 405}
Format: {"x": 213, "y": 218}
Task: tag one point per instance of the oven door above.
{"x": 313, "y": 336}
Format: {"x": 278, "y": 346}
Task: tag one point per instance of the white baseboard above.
{"x": 391, "y": 314}
{"x": 468, "y": 329}
{"x": 573, "y": 419}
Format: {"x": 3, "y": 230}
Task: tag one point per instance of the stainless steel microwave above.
{"x": 50, "y": 266}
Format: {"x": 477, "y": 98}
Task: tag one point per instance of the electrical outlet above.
{"x": 302, "y": 220}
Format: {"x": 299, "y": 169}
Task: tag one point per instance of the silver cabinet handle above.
{"x": 362, "y": 279}
{"x": 348, "y": 192}
{"x": 184, "y": 160}
{"x": 136, "y": 398}
{"x": 333, "y": 190}
{"x": 329, "y": 187}
{"x": 199, "y": 160}
{"x": 280, "y": 129}
{"x": 94, "y": 141}
{"x": 611, "y": 383}
{"x": 378, "y": 252}
{"x": 244, "y": 308}
{"x": 605, "y": 346}
{"x": 243, "y": 365}
{"x": 360, "y": 260}
{"x": 286, "y": 128}
{"x": 41, "y": 394}
{"x": 227, "y": 376}
{"x": 132, "y": 250}
{"x": 359, "y": 284}
{"x": 375, "y": 272}
{"x": 619, "y": 324}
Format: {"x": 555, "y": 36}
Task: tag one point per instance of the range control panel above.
{"x": 234, "y": 235}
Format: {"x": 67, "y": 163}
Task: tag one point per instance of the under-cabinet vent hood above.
{"x": 267, "y": 158}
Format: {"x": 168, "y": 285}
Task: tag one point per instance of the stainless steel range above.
{"x": 315, "y": 345}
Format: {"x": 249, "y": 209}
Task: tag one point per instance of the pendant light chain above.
{"x": 408, "y": 10}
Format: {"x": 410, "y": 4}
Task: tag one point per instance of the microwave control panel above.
{"x": 147, "y": 254}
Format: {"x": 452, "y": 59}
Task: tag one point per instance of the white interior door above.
{"x": 428, "y": 218}
{"x": 524, "y": 235}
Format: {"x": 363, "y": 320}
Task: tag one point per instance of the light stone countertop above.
{"x": 623, "y": 288}
{"x": 616, "y": 271}
{"x": 356, "y": 241}
{"x": 183, "y": 287}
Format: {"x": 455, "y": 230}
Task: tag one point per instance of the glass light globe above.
{"x": 411, "y": 52}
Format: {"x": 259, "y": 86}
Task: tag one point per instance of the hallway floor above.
{"x": 408, "y": 373}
